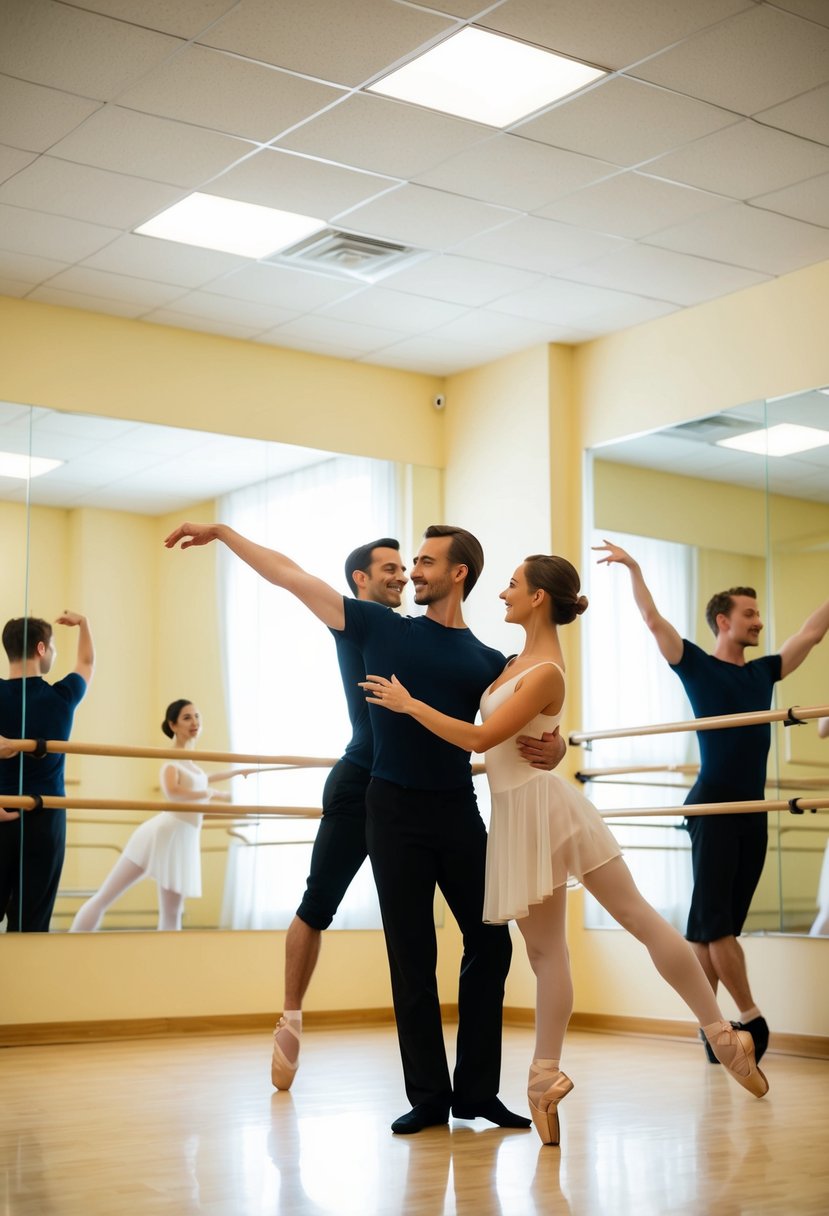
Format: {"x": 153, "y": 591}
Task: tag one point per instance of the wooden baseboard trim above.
{"x": 45, "y": 1033}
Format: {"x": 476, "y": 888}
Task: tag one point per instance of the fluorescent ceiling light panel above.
{"x": 487, "y": 78}
{"x": 221, "y": 223}
{"x": 785, "y": 439}
{"x": 24, "y": 468}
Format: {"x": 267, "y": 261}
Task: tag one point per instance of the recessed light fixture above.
{"x": 24, "y": 468}
{"x": 486, "y": 77}
{"x": 232, "y": 227}
{"x": 785, "y": 439}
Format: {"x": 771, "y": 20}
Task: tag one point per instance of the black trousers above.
{"x": 32, "y": 850}
{"x": 340, "y": 846}
{"x": 419, "y": 840}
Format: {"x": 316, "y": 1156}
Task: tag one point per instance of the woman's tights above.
{"x": 613, "y": 887}
{"x": 122, "y": 876}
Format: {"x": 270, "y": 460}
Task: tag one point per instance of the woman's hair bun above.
{"x": 581, "y": 605}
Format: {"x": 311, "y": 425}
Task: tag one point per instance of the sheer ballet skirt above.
{"x": 168, "y": 846}
{"x": 543, "y": 832}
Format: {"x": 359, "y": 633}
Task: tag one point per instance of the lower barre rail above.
{"x": 232, "y": 810}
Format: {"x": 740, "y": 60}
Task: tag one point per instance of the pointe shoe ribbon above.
{"x": 284, "y": 1070}
{"x": 735, "y": 1050}
{"x": 546, "y": 1089}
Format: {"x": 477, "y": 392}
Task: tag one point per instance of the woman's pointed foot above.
{"x": 734, "y": 1048}
{"x": 547, "y": 1086}
{"x": 283, "y": 1068}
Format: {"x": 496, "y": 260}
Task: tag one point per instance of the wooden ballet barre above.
{"x": 60, "y": 747}
{"x": 722, "y": 808}
{"x": 623, "y": 770}
{"x": 792, "y": 715}
{"x": 232, "y": 810}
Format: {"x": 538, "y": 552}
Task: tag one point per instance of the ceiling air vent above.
{"x": 712, "y": 429}
{"x": 345, "y": 253}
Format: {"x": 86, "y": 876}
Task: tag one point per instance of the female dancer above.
{"x": 166, "y": 847}
{"x": 542, "y": 832}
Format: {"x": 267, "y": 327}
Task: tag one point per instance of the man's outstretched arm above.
{"x": 795, "y": 649}
{"x": 282, "y": 571}
{"x": 85, "y": 658}
{"x": 667, "y": 638}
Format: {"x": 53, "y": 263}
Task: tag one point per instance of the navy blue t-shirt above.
{"x": 352, "y": 669}
{"x": 50, "y": 709}
{"x": 732, "y": 761}
{"x": 446, "y": 668}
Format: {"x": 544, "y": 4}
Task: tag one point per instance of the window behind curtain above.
{"x": 283, "y": 687}
{"x": 628, "y": 683}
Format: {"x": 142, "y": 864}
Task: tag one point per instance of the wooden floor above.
{"x": 193, "y": 1126}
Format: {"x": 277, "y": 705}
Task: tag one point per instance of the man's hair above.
{"x": 465, "y": 550}
{"x": 723, "y": 601}
{"x": 360, "y": 559}
{"x": 24, "y": 633}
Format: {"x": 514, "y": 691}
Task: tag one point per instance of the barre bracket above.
{"x": 39, "y": 749}
{"x": 792, "y": 719}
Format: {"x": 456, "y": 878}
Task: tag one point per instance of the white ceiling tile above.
{"x": 49, "y": 236}
{"x": 540, "y": 245}
{"x": 82, "y": 280}
{"x": 218, "y": 91}
{"x": 76, "y": 299}
{"x": 566, "y": 303}
{"x": 12, "y": 160}
{"x": 148, "y": 257}
{"x": 384, "y": 136}
{"x": 748, "y": 236}
{"x": 456, "y": 8}
{"x": 63, "y": 188}
{"x": 626, "y": 122}
{"x": 628, "y": 311}
{"x": 143, "y": 145}
{"x": 237, "y": 312}
{"x": 807, "y": 201}
{"x": 314, "y": 346}
{"x": 319, "y": 327}
{"x": 751, "y": 61}
{"x": 609, "y": 35}
{"x": 516, "y": 172}
{"x": 428, "y": 354}
{"x": 632, "y": 205}
{"x": 807, "y": 115}
{"x": 665, "y": 275}
{"x": 224, "y": 329}
{"x": 321, "y": 38}
{"x": 183, "y": 18}
{"x": 426, "y": 218}
{"x": 65, "y": 48}
{"x": 13, "y": 287}
{"x": 393, "y": 310}
{"x": 295, "y": 183}
{"x": 297, "y": 290}
{"x": 744, "y": 160}
{"x": 814, "y": 10}
{"x": 461, "y": 280}
{"x": 493, "y": 329}
{"x": 33, "y": 117}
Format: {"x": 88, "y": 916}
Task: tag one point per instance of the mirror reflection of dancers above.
{"x": 168, "y": 846}
{"x": 543, "y": 832}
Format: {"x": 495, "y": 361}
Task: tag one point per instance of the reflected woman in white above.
{"x": 543, "y": 832}
{"x": 168, "y": 846}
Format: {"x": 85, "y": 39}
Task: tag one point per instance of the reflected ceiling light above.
{"x": 785, "y": 439}
{"x": 212, "y": 222}
{"x": 487, "y": 78}
{"x": 24, "y": 468}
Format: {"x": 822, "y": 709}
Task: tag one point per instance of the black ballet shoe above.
{"x": 712, "y": 1059}
{"x": 425, "y": 1114}
{"x": 492, "y": 1109}
{"x": 758, "y": 1028}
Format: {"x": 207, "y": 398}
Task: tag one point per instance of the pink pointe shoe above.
{"x": 284, "y": 1070}
{"x": 735, "y": 1051}
{"x": 546, "y": 1089}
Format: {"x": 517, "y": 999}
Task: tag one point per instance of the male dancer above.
{"x": 32, "y": 849}
{"x": 423, "y": 827}
{"x": 727, "y": 851}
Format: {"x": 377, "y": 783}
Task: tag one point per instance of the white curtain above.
{"x": 628, "y": 683}
{"x": 283, "y": 688}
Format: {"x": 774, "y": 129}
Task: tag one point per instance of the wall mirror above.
{"x": 87, "y": 536}
{"x": 701, "y": 516}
